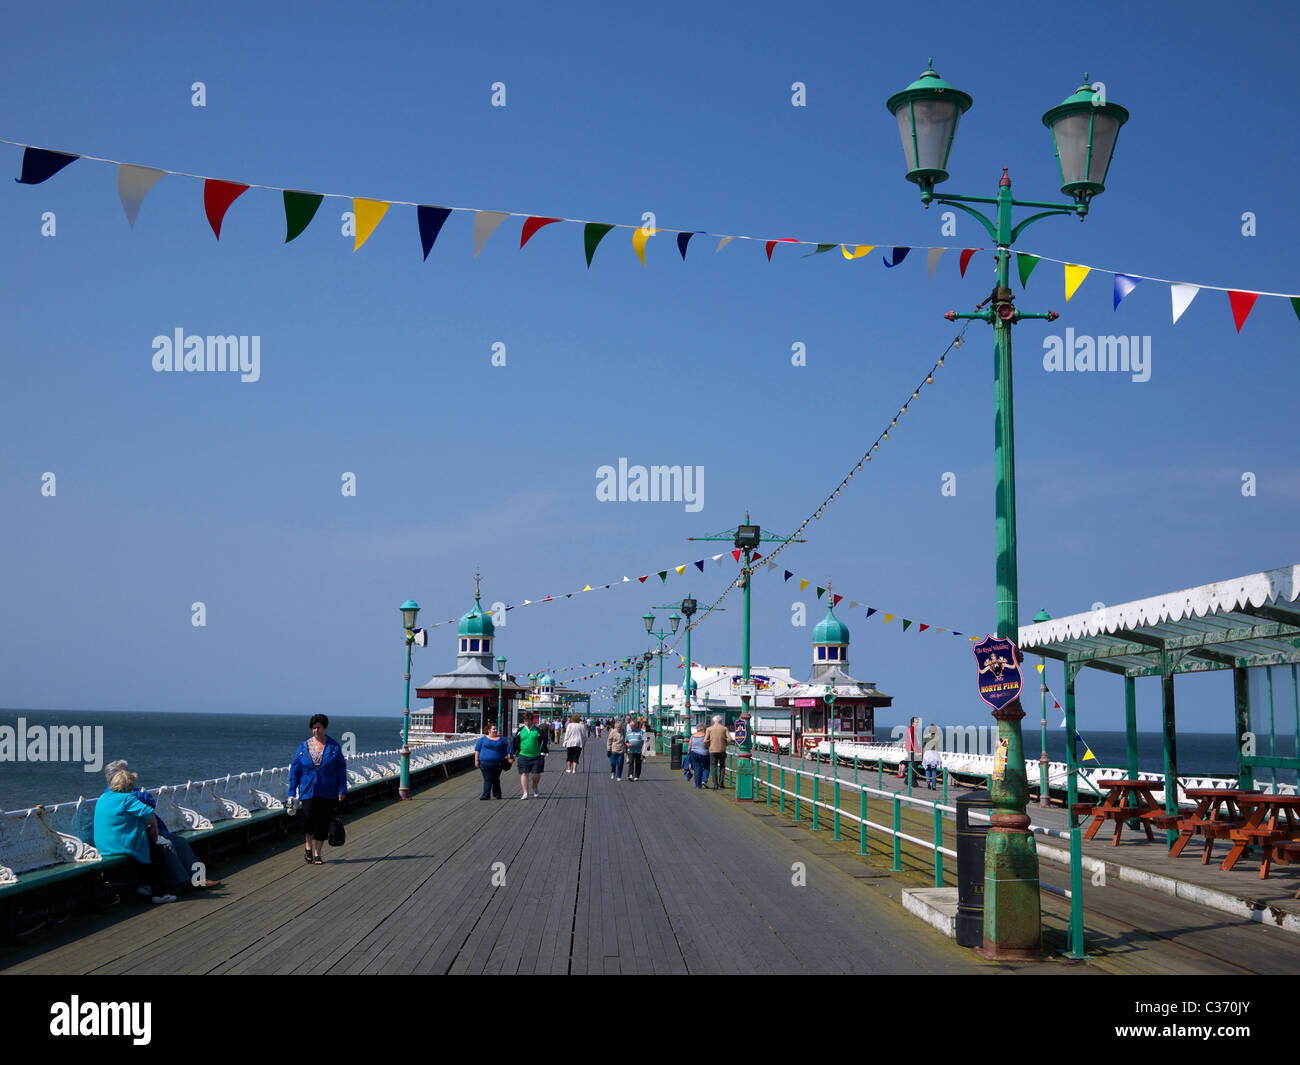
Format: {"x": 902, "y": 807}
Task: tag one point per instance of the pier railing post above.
{"x": 898, "y": 843}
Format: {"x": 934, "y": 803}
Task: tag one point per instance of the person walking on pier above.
{"x": 717, "y": 737}
{"x": 319, "y": 778}
{"x": 575, "y": 736}
{"x": 529, "y": 745}
{"x": 699, "y": 756}
{"x": 615, "y": 747}
{"x": 491, "y": 757}
{"x": 634, "y": 738}
{"x": 932, "y": 758}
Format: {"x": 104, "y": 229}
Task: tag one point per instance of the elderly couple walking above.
{"x": 708, "y": 753}
{"x": 626, "y": 742}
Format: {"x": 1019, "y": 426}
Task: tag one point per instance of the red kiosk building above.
{"x": 852, "y": 715}
{"x": 465, "y": 699}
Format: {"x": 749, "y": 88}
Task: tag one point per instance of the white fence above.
{"x": 47, "y": 835}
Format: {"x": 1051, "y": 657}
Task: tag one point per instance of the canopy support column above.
{"x": 1131, "y": 731}
{"x": 1241, "y": 708}
{"x": 1071, "y": 797}
{"x": 1168, "y": 661}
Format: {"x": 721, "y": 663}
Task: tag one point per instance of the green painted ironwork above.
{"x": 898, "y": 826}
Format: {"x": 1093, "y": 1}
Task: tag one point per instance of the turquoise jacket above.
{"x": 120, "y": 825}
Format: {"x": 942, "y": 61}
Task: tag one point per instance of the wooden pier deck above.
{"x": 649, "y": 877}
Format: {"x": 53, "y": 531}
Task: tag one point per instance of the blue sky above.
{"x": 176, "y": 488}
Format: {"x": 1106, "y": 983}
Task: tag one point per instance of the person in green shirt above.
{"x": 528, "y": 749}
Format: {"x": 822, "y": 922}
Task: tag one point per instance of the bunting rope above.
{"x": 134, "y": 182}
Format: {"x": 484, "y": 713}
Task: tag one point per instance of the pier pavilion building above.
{"x": 465, "y": 699}
{"x": 852, "y": 714}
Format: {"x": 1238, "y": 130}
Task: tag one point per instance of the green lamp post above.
{"x": 689, "y": 607}
{"x": 410, "y": 610}
{"x": 1044, "y": 789}
{"x": 646, "y": 658}
{"x": 674, "y": 620}
{"x": 502, "y": 726}
{"x": 1084, "y": 128}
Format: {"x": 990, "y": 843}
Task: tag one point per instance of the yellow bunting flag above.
{"x": 587, "y": 589}
{"x": 639, "y": 236}
{"x": 367, "y": 215}
{"x": 1039, "y": 667}
{"x": 680, "y": 570}
{"x": 858, "y": 251}
{"x": 802, "y": 584}
{"x": 889, "y": 618}
{"x": 1087, "y": 753}
{"x": 1074, "y": 276}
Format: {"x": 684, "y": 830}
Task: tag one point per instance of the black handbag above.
{"x": 338, "y": 836}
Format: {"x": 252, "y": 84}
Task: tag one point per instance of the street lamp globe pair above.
{"x": 1084, "y": 128}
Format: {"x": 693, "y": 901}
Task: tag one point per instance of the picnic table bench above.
{"x": 1271, "y": 820}
{"x": 1126, "y": 800}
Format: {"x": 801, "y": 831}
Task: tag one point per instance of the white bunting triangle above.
{"x": 1182, "y": 296}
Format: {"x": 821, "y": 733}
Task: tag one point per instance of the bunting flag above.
{"x": 485, "y": 224}
{"x": 217, "y": 198}
{"x": 133, "y": 183}
{"x": 1087, "y": 751}
{"x": 932, "y": 260}
{"x": 889, "y": 618}
{"x": 681, "y": 569}
{"x": 700, "y": 565}
{"x": 299, "y": 209}
{"x": 1074, "y": 275}
{"x": 367, "y": 215}
{"x": 788, "y": 575}
{"x": 1124, "y": 284}
{"x": 779, "y": 240}
{"x": 1241, "y": 302}
{"x": 870, "y": 610}
{"x": 736, "y": 554}
{"x": 1025, "y": 263}
{"x": 663, "y": 575}
{"x": 835, "y": 600}
{"x": 821, "y": 592}
{"x": 41, "y": 165}
{"x": 593, "y": 233}
{"x": 803, "y": 584}
{"x": 532, "y": 225}
{"x": 1182, "y": 296}
{"x": 639, "y": 236}
{"x": 431, "y": 220}
{"x": 906, "y": 623}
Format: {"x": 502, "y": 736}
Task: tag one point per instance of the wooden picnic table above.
{"x": 1269, "y": 820}
{"x": 1125, "y": 800}
{"x": 1218, "y": 812}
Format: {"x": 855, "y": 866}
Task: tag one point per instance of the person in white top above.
{"x": 575, "y": 736}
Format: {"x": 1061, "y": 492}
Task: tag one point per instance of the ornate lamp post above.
{"x": 1044, "y": 791}
{"x": 674, "y": 621}
{"x": 501, "y": 679}
{"x": 410, "y": 610}
{"x": 689, "y": 607}
{"x": 646, "y": 659}
{"x": 1084, "y": 128}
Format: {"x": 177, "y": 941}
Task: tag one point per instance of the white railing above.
{"x": 48, "y": 835}
{"x": 1058, "y": 773}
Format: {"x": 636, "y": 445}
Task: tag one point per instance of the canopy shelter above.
{"x": 1247, "y": 623}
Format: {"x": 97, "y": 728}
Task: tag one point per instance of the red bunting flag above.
{"x": 923, "y": 628}
{"x": 779, "y": 240}
{"x": 1242, "y": 302}
{"x": 217, "y": 198}
{"x": 736, "y": 554}
{"x": 965, "y": 259}
{"x": 835, "y": 601}
{"x": 532, "y": 225}
{"x": 643, "y": 579}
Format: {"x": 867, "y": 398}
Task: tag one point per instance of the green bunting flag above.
{"x": 1295, "y": 305}
{"x": 299, "y": 209}
{"x": 906, "y": 622}
{"x": 663, "y": 576}
{"x": 821, "y": 592}
{"x": 1025, "y": 263}
{"x": 592, "y": 234}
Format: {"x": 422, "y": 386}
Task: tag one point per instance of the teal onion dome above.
{"x": 831, "y": 630}
{"x": 476, "y": 622}
{"x": 546, "y": 681}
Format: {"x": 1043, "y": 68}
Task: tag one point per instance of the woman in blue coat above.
{"x": 319, "y": 779}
